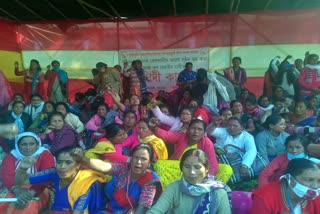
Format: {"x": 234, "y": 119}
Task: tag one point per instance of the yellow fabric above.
{"x": 100, "y": 148}
{"x": 168, "y": 170}
{"x": 158, "y": 146}
{"x": 81, "y": 184}
{"x": 224, "y": 173}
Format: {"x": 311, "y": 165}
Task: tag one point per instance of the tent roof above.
{"x": 34, "y": 10}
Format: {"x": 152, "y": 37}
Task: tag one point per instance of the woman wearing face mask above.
{"x": 35, "y": 107}
{"x": 296, "y": 192}
{"x": 196, "y": 192}
{"x": 76, "y": 191}
{"x": 295, "y": 148}
{"x": 270, "y": 142}
{"x": 27, "y": 145}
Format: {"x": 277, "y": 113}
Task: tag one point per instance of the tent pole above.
{"x": 56, "y": 9}
{"x": 113, "y": 9}
{"x": 174, "y": 7}
{"x": 9, "y": 15}
{"x": 207, "y": 7}
{"x": 29, "y": 10}
{"x": 95, "y": 8}
{"x": 85, "y": 9}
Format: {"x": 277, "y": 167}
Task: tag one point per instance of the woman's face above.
{"x": 300, "y": 109}
{"x": 309, "y": 178}
{"x": 66, "y": 166}
{"x": 186, "y": 95}
{"x": 314, "y": 60}
{"x": 250, "y": 106}
{"x": 226, "y": 115}
{"x": 295, "y": 147}
{"x": 36, "y": 100}
{"x": 28, "y": 146}
{"x": 17, "y": 98}
{"x": 279, "y": 127}
{"x": 234, "y": 127}
{"x": 237, "y": 108}
{"x": 119, "y": 138}
{"x": 18, "y": 108}
{"x": 102, "y": 111}
{"x": 196, "y": 131}
{"x": 278, "y": 92}
{"x": 126, "y": 102}
{"x": 186, "y": 116}
{"x": 134, "y": 100}
{"x": 129, "y": 120}
{"x": 245, "y": 94}
{"x": 236, "y": 63}
{"x": 313, "y": 103}
{"x": 140, "y": 162}
{"x": 264, "y": 102}
{"x": 193, "y": 170}
{"x": 193, "y": 104}
{"x": 144, "y": 130}
{"x": 62, "y": 110}
{"x": 33, "y": 65}
{"x": 48, "y": 108}
{"x": 57, "y": 121}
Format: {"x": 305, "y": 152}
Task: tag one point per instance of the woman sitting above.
{"x": 102, "y": 118}
{"x": 296, "y": 192}
{"x": 28, "y": 145}
{"x": 296, "y": 147}
{"x": 129, "y": 122}
{"x": 76, "y": 190}
{"x": 59, "y": 135}
{"x": 233, "y": 138}
{"x": 41, "y": 122}
{"x": 71, "y": 119}
{"x": 35, "y": 107}
{"x": 270, "y": 142}
{"x": 146, "y": 136}
{"x": 300, "y": 115}
{"x": 133, "y": 188}
{"x": 177, "y": 124}
{"x": 111, "y": 147}
{"x": 196, "y": 192}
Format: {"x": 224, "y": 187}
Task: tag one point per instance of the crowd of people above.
{"x": 119, "y": 148}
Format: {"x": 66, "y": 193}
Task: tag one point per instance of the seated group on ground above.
{"x": 210, "y": 146}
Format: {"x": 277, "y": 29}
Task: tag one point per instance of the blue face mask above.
{"x": 293, "y": 156}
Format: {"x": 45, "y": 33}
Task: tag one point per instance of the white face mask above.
{"x": 303, "y": 191}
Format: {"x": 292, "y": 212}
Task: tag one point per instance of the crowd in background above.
{"x": 210, "y": 146}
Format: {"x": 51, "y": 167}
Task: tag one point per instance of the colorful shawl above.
{"x": 18, "y": 122}
{"x": 206, "y": 200}
{"x": 62, "y": 74}
{"x": 158, "y": 146}
{"x": 99, "y": 149}
{"x": 34, "y": 80}
{"x": 81, "y": 184}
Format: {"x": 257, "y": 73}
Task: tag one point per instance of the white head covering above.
{"x": 16, "y": 152}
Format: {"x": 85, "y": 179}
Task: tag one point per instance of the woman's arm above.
{"x": 95, "y": 164}
{"x": 261, "y": 145}
{"x": 165, "y": 119}
{"x": 115, "y": 99}
{"x": 250, "y": 150}
{"x": 271, "y": 168}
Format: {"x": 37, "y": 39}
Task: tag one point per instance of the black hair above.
{"x": 80, "y": 96}
{"x": 201, "y": 155}
{"x": 48, "y": 102}
{"x": 193, "y": 121}
{"x": 104, "y": 105}
{"x": 312, "y": 56}
{"x": 18, "y": 102}
{"x": 55, "y": 61}
{"x": 279, "y": 99}
{"x": 199, "y": 100}
{"x": 35, "y": 95}
{"x": 298, "y": 165}
{"x": 188, "y": 63}
{"x": 145, "y": 147}
{"x": 37, "y": 62}
{"x": 233, "y": 102}
{"x": 223, "y": 110}
{"x": 236, "y": 119}
{"x": 18, "y": 94}
{"x": 186, "y": 108}
{"x": 62, "y": 104}
{"x": 55, "y": 114}
{"x": 130, "y": 112}
{"x": 302, "y": 140}
{"x": 112, "y": 130}
{"x": 68, "y": 149}
{"x": 101, "y": 64}
{"x": 275, "y": 88}
{"x": 251, "y": 99}
{"x": 238, "y": 58}
{"x": 201, "y": 75}
{"x": 261, "y": 97}
{"x": 272, "y": 120}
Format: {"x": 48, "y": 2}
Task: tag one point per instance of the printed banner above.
{"x": 162, "y": 67}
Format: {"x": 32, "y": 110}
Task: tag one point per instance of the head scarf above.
{"x": 16, "y": 152}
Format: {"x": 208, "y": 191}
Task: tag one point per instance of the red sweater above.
{"x": 274, "y": 170}
{"x": 8, "y": 169}
{"x": 268, "y": 199}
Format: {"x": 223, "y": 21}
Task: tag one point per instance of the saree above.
{"x": 158, "y": 146}
{"x": 56, "y": 92}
